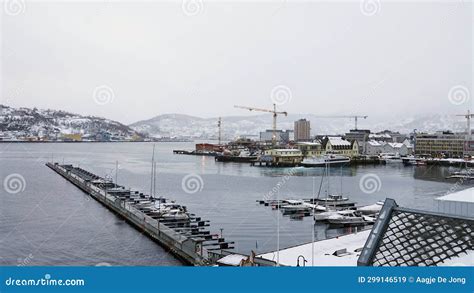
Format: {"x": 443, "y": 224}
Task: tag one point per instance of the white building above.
{"x": 341, "y": 146}
{"x": 373, "y": 148}
{"x": 396, "y": 148}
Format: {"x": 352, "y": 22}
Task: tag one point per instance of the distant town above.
{"x": 34, "y": 125}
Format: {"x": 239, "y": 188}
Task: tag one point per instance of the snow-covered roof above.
{"x": 466, "y": 195}
{"x": 324, "y": 251}
{"x": 308, "y": 143}
{"x": 339, "y": 141}
{"x": 379, "y": 135}
{"x": 396, "y": 145}
{"x": 374, "y": 143}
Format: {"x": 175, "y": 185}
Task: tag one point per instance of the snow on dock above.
{"x": 459, "y": 203}
{"x": 339, "y": 251}
{"x": 399, "y": 237}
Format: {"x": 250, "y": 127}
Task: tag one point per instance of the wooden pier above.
{"x": 187, "y": 239}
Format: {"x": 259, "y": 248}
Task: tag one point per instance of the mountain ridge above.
{"x": 56, "y": 124}
{"x": 169, "y": 125}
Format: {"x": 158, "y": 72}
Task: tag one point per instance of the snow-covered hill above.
{"x": 55, "y": 125}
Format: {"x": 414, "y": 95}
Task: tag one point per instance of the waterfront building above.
{"x": 373, "y": 148}
{"x": 410, "y": 146}
{"x": 395, "y": 148}
{"x": 284, "y": 156}
{"x": 361, "y": 135}
{"x": 302, "y": 130}
{"x": 388, "y": 136}
{"x": 441, "y": 143}
{"x": 340, "y": 146}
{"x": 469, "y": 145}
{"x": 310, "y": 149}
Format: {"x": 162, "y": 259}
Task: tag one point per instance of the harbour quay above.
{"x": 169, "y": 224}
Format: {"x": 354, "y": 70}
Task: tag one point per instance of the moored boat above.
{"x": 332, "y": 160}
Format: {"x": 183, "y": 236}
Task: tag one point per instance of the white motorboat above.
{"x": 324, "y": 215}
{"x": 300, "y": 205}
{"x": 323, "y": 161}
{"x": 347, "y": 217}
{"x": 295, "y": 205}
{"x": 371, "y": 209}
{"x": 390, "y": 158}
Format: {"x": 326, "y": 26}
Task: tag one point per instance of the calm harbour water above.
{"x": 51, "y": 222}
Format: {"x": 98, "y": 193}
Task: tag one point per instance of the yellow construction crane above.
{"x": 355, "y": 117}
{"x": 275, "y": 114}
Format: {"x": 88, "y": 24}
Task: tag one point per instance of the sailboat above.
{"x": 330, "y": 198}
{"x": 167, "y": 211}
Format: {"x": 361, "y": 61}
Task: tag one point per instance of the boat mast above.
{"x": 278, "y": 231}
{"x": 313, "y": 224}
{"x": 116, "y": 173}
{"x": 341, "y": 179}
{"x": 327, "y": 187}
{"x": 154, "y": 180}
{"x": 152, "y": 171}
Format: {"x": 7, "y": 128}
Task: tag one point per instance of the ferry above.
{"x": 327, "y": 160}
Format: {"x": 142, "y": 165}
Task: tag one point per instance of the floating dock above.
{"x": 187, "y": 239}
{"x": 195, "y": 153}
{"x": 337, "y": 205}
{"x": 235, "y": 159}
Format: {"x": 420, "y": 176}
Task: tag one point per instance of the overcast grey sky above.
{"x": 389, "y": 58}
